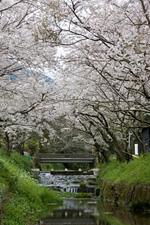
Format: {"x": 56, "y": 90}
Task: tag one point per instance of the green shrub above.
{"x": 21, "y": 161}
{"x": 36, "y": 177}
{"x": 49, "y": 166}
{"x": 83, "y": 195}
{"x": 82, "y": 185}
{"x": 92, "y": 183}
{"x": 7, "y": 175}
{"x": 76, "y": 182}
{"x": 65, "y": 194}
{"x": 49, "y": 196}
{"x": 91, "y": 179}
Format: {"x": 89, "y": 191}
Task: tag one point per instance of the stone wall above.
{"x": 125, "y": 193}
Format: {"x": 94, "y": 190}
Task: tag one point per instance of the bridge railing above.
{"x": 45, "y": 155}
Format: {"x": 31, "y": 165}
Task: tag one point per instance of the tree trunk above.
{"x": 142, "y": 144}
{"x": 118, "y": 148}
{"x": 7, "y": 144}
{"x": 101, "y": 151}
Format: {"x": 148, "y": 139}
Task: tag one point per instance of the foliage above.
{"x": 32, "y": 145}
{"x": 92, "y": 183}
{"x": 82, "y": 185}
{"x": 136, "y": 171}
{"x": 92, "y": 178}
{"x": 24, "y": 199}
{"x": 105, "y": 60}
{"x": 49, "y": 166}
{"x": 19, "y": 209}
{"x": 2, "y": 144}
{"x": 77, "y": 166}
{"x": 83, "y": 195}
{"x": 49, "y": 196}
{"x": 65, "y": 194}
{"x": 21, "y": 161}
{"x": 76, "y": 182}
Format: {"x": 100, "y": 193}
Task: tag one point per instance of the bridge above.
{"x": 65, "y": 158}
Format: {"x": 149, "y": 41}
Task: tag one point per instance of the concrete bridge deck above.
{"x": 65, "y": 158}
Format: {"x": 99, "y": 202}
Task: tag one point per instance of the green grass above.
{"x": 65, "y": 194}
{"x": 21, "y": 161}
{"x": 83, "y": 195}
{"x": 136, "y": 171}
{"x": 23, "y": 198}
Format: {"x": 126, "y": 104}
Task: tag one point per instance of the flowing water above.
{"x": 67, "y": 183}
{"x": 86, "y": 212}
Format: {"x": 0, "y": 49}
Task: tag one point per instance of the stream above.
{"x": 66, "y": 183}
{"x": 91, "y": 211}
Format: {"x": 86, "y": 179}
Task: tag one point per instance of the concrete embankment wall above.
{"x": 125, "y": 193}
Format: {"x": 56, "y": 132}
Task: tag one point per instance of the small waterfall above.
{"x": 65, "y": 183}
{"x": 72, "y": 189}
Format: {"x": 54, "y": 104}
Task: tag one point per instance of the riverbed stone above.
{"x": 35, "y": 171}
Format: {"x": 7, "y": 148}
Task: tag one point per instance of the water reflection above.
{"x": 115, "y": 215}
{"x": 93, "y": 212}
{"x": 73, "y": 212}
{"x": 88, "y": 212}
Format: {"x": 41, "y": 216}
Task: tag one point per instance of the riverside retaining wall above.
{"x": 125, "y": 193}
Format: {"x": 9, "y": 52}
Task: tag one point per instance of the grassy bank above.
{"x": 22, "y": 200}
{"x": 136, "y": 171}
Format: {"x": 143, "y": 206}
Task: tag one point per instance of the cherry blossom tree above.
{"x": 19, "y": 46}
{"x": 106, "y": 60}
{"x": 26, "y": 98}
{"x": 103, "y": 71}
{"x": 25, "y": 105}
